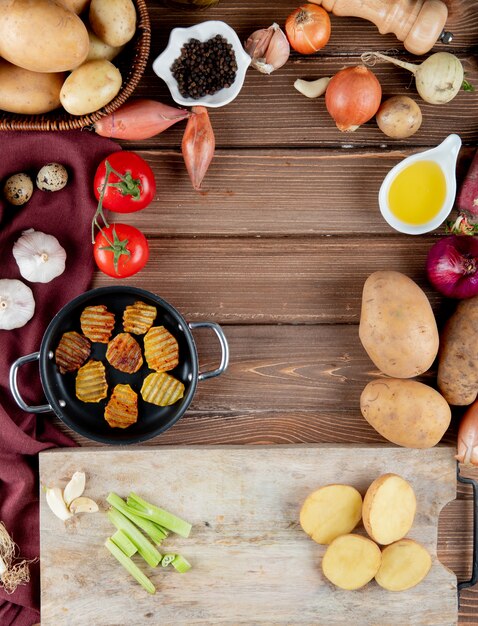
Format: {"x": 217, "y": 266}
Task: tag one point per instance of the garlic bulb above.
{"x": 16, "y": 304}
{"x": 269, "y": 49}
{"x": 39, "y": 257}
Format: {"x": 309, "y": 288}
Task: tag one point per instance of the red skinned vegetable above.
{"x": 198, "y": 145}
{"x": 467, "y": 445}
{"x": 120, "y": 250}
{"x": 467, "y": 198}
{"x": 452, "y": 266}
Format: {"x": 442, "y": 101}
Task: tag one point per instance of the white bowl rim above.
{"x": 202, "y": 31}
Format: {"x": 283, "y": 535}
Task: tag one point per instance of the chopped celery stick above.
{"x": 124, "y": 543}
{"x": 145, "y": 548}
{"x": 156, "y": 533}
{"x": 181, "y": 564}
{"x": 159, "y": 516}
{"x": 129, "y": 566}
{"x": 167, "y": 559}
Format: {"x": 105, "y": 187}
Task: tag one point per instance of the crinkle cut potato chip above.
{"x": 139, "y": 317}
{"x": 161, "y": 349}
{"x": 122, "y": 408}
{"x": 161, "y": 389}
{"x": 97, "y": 323}
{"x": 124, "y": 353}
{"x": 72, "y": 351}
{"x": 90, "y": 384}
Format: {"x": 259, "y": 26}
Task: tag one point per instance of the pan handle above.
{"x": 474, "y": 572}
{"x": 23, "y": 360}
{"x": 224, "y": 348}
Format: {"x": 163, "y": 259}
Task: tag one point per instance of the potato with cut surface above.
{"x": 124, "y": 353}
{"x": 97, "y": 323}
{"x": 351, "y": 561}
{"x": 72, "y": 351}
{"x": 331, "y": 511}
{"x": 139, "y": 317}
{"x": 122, "y": 408}
{"x": 405, "y": 563}
{"x": 389, "y": 508}
{"x": 161, "y": 389}
{"x": 90, "y": 384}
{"x": 161, "y": 349}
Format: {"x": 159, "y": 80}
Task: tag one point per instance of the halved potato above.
{"x": 351, "y": 561}
{"x": 331, "y": 511}
{"x": 405, "y": 563}
{"x": 388, "y": 508}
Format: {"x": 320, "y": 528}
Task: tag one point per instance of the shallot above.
{"x": 452, "y": 266}
{"x": 40, "y": 257}
{"x": 17, "y": 304}
{"x": 198, "y": 145}
{"x": 467, "y": 444}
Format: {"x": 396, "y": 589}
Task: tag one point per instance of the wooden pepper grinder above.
{"x": 418, "y": 23}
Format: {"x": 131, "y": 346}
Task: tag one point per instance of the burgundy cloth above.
{"x": 67, "y": 215}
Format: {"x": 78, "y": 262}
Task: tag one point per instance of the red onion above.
{"x": 452, "y": 266}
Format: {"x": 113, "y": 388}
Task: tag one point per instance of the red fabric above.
{"x": 67, "y": 215}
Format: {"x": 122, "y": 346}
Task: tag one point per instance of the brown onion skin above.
{"x": 467, "y": 444}
{"x": 353, "y": 97}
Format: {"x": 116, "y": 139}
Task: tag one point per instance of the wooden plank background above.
{"x": 277, "y": 245}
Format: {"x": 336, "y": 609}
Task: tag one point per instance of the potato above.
{"x": 30, "y": 93}
{"x": 388, "y": 508}
{"x": 331, "y": 511}
{"x": 399, "y": 117}
{"x": 458, "y": 360}
{"x": 42, "y": 36}
{"x": 76, "y": 6}
{"x": 90, "y": 87}
{"x": 405, "y": 412}
{"x": 351, "y": 561}
{"x": 397, "y": 326}
{"x": 405, "y": 563}
{"x": 114, "y": 21}
{"x": 101, "y": 50}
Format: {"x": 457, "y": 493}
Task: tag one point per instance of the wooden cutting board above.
{"x": 252, "y": 563}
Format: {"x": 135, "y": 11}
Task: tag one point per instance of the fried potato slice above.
{"x": 124, "y": 353}
{"x": 139, "y": 317}
{"x": 351, "y": 561}
{"x": 161, "y": 349}
{"x": 91, "y": 385}
{"x": 72, "y": 351}
{"x": 122, "y": 408}
{"x": 97, "y": 323}
{"x": 161, "y": 389}
{"x": 405, "y": 563}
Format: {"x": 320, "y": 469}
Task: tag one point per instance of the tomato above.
{"x": 120, "y": 250}
{"x": 130, "y": 183}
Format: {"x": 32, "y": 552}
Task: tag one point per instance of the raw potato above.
{"x": 351, "y": 561}
{"x": 101, "y": 50}
{"x": 30, "y": 93}
{"x": 399, "y": 117}
{"x": 114, "y": 21}
{"x": 405, "y": 412}
{"x": 41, "y": 35}
{"x": 331, "y": 511}
{"x": 405, "y": 563}
{"x": 458, "y": 361}
{"x": 76, "y": 6}
{"x": 397, "y": 326}
{"x": 90, "y": 87}
{"x": 388, "y": 509}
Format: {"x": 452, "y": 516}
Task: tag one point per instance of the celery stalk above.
{"x": 156, "y": 533}
{"x": 159, "y": 516}
{"x": 124, "y": 543}
{"x": 145, "y": 548}
{"x": 167, "y": 559}
{"x": 129, "y": 566}
{"x": 181, "y": 564}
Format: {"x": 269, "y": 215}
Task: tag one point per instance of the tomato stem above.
{"x": 117, "y": 247}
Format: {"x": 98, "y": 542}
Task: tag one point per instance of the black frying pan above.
{"x": 87, "y": 419}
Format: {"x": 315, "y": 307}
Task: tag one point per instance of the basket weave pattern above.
{"x": 61, "y": 120}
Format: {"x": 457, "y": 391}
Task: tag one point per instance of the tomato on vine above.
{"x": 120, "y": 250}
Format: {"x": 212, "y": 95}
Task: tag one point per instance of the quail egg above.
{"x": 52, "y": 177}
{"x": 18, "y": 189}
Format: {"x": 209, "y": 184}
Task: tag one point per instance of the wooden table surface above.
{"x": 277, "y": 245}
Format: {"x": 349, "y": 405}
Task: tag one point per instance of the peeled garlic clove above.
{"x": 312, "y": 88}
{"x": 269, "y": 49}
{"x": 83, "y": 505}
{"x": 74, "y": 488}
{"x": 54, "y": 499}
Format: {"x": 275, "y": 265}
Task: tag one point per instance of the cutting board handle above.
{"x": 474, "y": 572}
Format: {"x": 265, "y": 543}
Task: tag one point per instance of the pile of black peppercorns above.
{"x": 204, "y": 67}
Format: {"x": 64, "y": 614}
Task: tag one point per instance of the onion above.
{"x": 467, "y": 444}
{"x": 353, "y": 97}
{"x": 452, "y": 266}
{"x": 308, "y": 28}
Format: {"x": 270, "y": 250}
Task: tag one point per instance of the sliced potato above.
{"x": 97, "y": 323}
{"x": 331, "y": 511}
{"x": 161, "y": 349}
{"x": 72, "y": 351}
{"x": 139, "y": 317}
{"x": 351, "y": 561}
{"x": 161, "y": 389}
{"x": 122, "y": 408}
{"x": 388, "y": 508}
{"x": 124, "y": 353}
{"x": 405, "y": 563}
{"x": 90, "y": 384}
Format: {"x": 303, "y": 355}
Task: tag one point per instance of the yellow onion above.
{"x": 353, "y": 97}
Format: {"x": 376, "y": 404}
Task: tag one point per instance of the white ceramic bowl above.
{"x": 445, "y": 155}
{"x": 204, "y": 31}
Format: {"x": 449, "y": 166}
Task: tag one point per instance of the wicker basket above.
{"x": 132, "y": 63}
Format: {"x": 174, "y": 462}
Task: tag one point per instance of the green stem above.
{"x": 145, "y": 548}
{"x": 124, "y": 543}
{"x": 159, "y": 516}
{"x": 181, "y": 564}
{"x": 130, "y": 566}
{"x": 156, "y": 533}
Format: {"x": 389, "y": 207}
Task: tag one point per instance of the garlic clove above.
{"x": 83, "y": 505}
{"x": 257, "y": 44}
{"x": 269, "y": 49}
{"x": 54, "y": 499}
{"x": 74, "y": 488}
{"x": 312, "y": 88}
{"x": 17, "y": 304}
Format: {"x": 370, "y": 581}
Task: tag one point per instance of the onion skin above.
{"x": 452, "y": 266}
{"x": 353, "y": 97}
{"x": 308, "y": 28}
{"x": 467, "y": 444}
